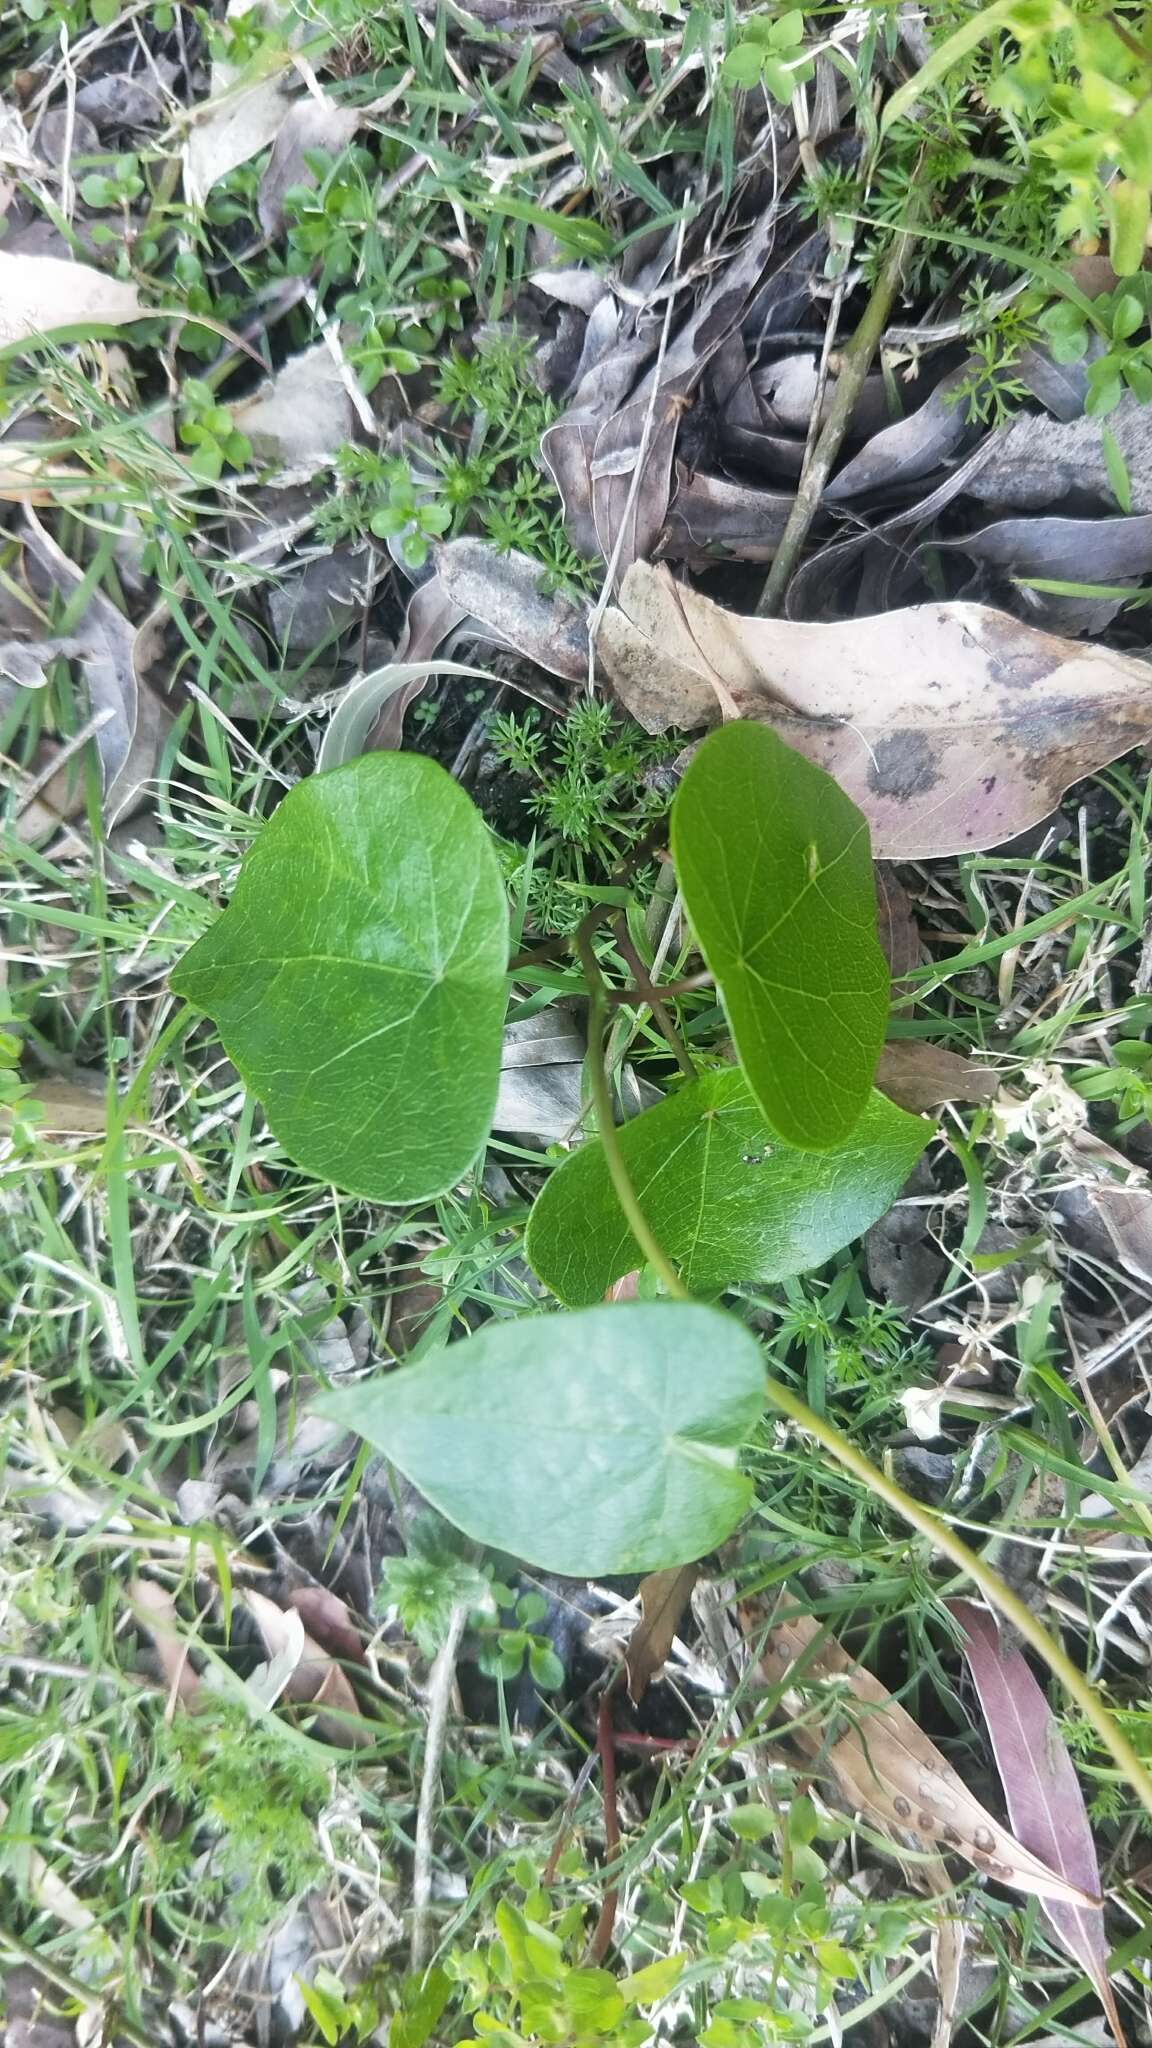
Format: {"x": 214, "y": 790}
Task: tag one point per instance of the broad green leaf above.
{"x": 357, "y": 978}
{"x": 1129, "y": 206}
{"x": 726, "y": 1200}
{"x": 775, "y": 868}
{"x": 585, "y": 1444}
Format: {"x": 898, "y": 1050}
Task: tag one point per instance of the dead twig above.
{"x": 439, "y": 1695}
{"x": 606, "y": 1748}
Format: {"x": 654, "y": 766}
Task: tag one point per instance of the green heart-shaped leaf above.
{"x": 357, "y": 978}
{"x": 585, "y": 1444}
{"x": 775, "y": 868}
{"x": 725, "y": 1199}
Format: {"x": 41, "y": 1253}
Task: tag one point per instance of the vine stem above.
{"x": 855, "y": 363}
{"x": 606, "y": 1122}
{"x": 995, "y": 1590}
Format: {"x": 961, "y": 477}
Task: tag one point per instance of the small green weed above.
{"x": 258, "y": 1795}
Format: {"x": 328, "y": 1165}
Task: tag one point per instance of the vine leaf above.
{"x": 775, "y": 869}
{"x": 725, "y": 1199}
{"x": 585, "y": 1444}
{"x": 358, "y": 976}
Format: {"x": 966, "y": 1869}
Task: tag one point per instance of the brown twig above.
{"x": 601, "y": 1940}
{"x": 653, "y": 998}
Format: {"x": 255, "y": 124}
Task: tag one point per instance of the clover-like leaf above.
{"x": 357, "y": 978}
{"x": 775, "y": 868}
{"x": 726, "y": 1200}
{"x": 585, "y": 1444}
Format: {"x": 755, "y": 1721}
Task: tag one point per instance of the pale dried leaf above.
{"x": 69, "y": 1108}
{"x": 664, "y": 1597}
{"x": 29, "y": 477}
{"x": 118, "y": 662}
{"x": 228, "y": 132}
{"x": 885, "y": 1766}
{"x": 919, "y": 1075}
{"x": 328, "y": 1621}
{"x": 1041, "y": 1790}
{"x": 282, "y": 1634}
{"x": 301, "y": 418}
{"x": 910, "y": 448}
{"x": 1034, "y": 462}
{"x": 1126, "y": 1213}
{"x": 298, "y": 1669}
{"x": 897, "y": 931}
{"x": 314, "y": 122}
{"x": 44, "y": 294}
{"x": 504, "y": 592}
{"x": 947, "y": 1952}
{"x": 952, "y": 726}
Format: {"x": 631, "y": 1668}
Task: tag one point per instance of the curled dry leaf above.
{"x": 885, "y": 1766}
{"x": 710, "y": 517}
{"x": 910, "y": 448}
{"x": 299, "y": 1670}
{"x": 1102, "y": 551}
{"x": 45, "y": 294}
{"x": 1041, "y": 1791}
{"x": 611, "y": 452}
{"x": 664, "y": 1597}
{"x": 1126, "y": 1213}
{"x": 243, "y": 113}
{"x": 118, "y": 663}
{"x": 951, "y": 726}
{"x": 328, "y": 1621}
{"x": 919, "y": 1075}
{"x": 897, "y": 931}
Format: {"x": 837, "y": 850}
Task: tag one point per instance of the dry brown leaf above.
{"x": 952, "y": 726}
{"x": 947, "y": 1951}
{"x": 29, "y": 477}
{"x": 885, "y": 1766}
{"x": 71, "y": 1109}
{"x": 43, "y": 294}
{"x": 155, "y": 1610}
{"x": 664, "y": 1597}
{"x": 328, "y": 1621}
{"x": 1041, "y": 1790}
{"x": 502, "y": 589}
{"x": 919, "y": 1075}
{"x": 896, "y": 926}
{"x": 299, "y": 1670}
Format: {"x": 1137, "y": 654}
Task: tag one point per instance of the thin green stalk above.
{"x": 995, "y": 1589}
{"x": 606, "y": 1122}
{"x": 855, "y": 363}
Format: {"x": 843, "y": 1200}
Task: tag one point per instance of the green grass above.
{"x": 168, "y": 1280}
